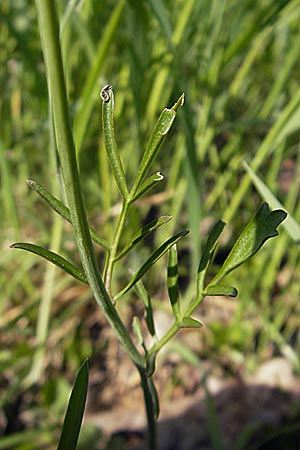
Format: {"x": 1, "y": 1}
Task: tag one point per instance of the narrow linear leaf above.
{"x": 228, "y": 291}
{"x": 160, "y": 12}
{"x": 172, "y": 282}
{"x": 142, "y": 233}
{"x": 54, "y": 258}
{"x": 154, "y": 396}
{"x": 73, "y": 418}
{"x": 208, "y": 253}
{"x": 151, "y": 260}
{"x": 61, "y": 209}
{"x": 146, "y": 299}
{"x": 151, "y": 362}
{"x": 112, "y": 151}
{"x": 137, "y": 329}
{"x": 210, "y": 244}
{"x": 188, "y": 322}
{"x": 161, "y": 129}
{"x": 149, "y": 184}
{"x": 261, "y": 227}
{"x": 290, "y": 224}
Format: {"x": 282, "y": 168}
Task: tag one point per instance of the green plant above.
{"x": 259, "y": 229}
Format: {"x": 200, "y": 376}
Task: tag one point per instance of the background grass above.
{"x": 238, "y": 64}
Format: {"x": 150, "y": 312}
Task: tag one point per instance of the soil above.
{"x": 258, "y": 412}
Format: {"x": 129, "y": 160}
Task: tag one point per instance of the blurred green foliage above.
{"x": 238, "y": 64}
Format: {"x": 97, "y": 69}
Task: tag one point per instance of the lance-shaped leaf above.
{"x": 150, "y": 261}
{"x": 74, "y": 414}
{"x": 161, "y": 129}
{"x": 154, "y": 397}
{"x": 228, "y": 291}
{"x": 146, "y": 299}
{"x": 61, "y": 209}
{"x": 290, "y": 224}
{"x": 137, "y": 329}
{"x": 151, "y": 362}
{"x": 142, "y": 233}
{"x": 208, "y": 252}
{"x": 112, "y": 151}
{"x": 149, "y": 184}
{"x": 54, "y": 258}
{"x": 189, "y": 322}
{"x": 210, "y": 245}
{"x": 173, "y": 281}
{"x": 261, "y": 227}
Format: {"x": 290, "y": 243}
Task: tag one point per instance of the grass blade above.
{"x": 73, "y": 418}
{"x": 89, "y": 93}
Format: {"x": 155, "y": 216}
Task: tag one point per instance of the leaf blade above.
{"x": 161, "y": 129}
{"x": 142, "y": 233}
{"x": 74, "y": 414}
{"x": 261, "y": 227}
{"x": 52, "y": 257}
{"x": 156, "y": 255}
{"x": 172, "y": 281}
{"x": 61, "y": 209}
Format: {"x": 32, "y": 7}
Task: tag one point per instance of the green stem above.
{"x": 175, "y": 327}
{"x": 151, "y": 430}
{"x": 114, "y": 246}
{"x": 49, "y": 32}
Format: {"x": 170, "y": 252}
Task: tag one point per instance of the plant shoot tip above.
{"x": 104, "y": 94}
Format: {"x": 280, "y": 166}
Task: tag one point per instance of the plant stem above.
{"x": 114, "y": 246}
{"x": 175, "y": 327}
{"x": 49, "y": 32}
{"x": 151, "y": 429}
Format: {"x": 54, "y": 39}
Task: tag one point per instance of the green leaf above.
{"x": 208, "y": 253}
{"x": 73, "y": 418}
{"x": 151, "y": 362}
{"x": 154, "y": 397}
{"x": 112, "y": 151}
{"x": 54, "y": 258}
{"x": 142, "y": 233}
{"x": 90, "y": 83}
{"x": 210, "y": 245}
{"x": 228, "y": 291}
{"x": 188, "y": 322}
{"x": 146, "y": 299}
{"x": 149, "y": 184}
{"x": 161, "y": 13}
{"x": 290, "y": 224}
{"x": 161, "y": 129}
{"x": 61, "y": 209}
{"x": 150, "y": 261}
{"x": 260, "y": 228}
{"x": 173, "y": 281}
{"x": 137, "y": 329}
